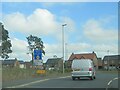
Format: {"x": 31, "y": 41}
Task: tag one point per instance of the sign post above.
{"x": 38, "y": 62}
{"x": 38, "y": 57}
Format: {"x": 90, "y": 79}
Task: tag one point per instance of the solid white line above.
{"x": 109, "y": 82}
{"x": 115, "y": 78}
{"x": 63, "y": 77}
{"x": 18, "y": 86}
{"x": 22, "y": 85}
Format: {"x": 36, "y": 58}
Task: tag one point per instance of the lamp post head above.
{"x": 64, "y": 24}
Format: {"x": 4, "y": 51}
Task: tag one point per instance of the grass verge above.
{"x": 9, "y": 74}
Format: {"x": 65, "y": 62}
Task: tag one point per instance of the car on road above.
{"x": 83, "y": 68}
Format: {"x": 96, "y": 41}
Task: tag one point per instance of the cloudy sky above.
{"x": 91, "y": 26}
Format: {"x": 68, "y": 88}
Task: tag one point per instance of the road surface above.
{"x": 66, "y": 82}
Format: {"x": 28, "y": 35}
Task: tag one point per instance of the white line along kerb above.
{"x": 18, "y": 86}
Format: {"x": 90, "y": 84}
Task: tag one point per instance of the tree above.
{"x": 6, "y": 43}
{"x": 35, "y": 43}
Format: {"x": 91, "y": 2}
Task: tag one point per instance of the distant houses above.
{"x": 108, "y": 62}
{"x": 111, "y": 62}
{"x": 54, "y": 63}
{"x": 14, "y": 63}
{"x": 10, "y": 63}
{"x": 28, "y": 65}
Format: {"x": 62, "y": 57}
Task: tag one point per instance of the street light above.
{"x": 63, "y": 43}
{"x": 108, "y": 60}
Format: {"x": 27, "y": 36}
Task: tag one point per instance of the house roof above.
{"x": 53, "y": 60}
{"x": 112, "y": 57}
{"x": 11, "y": 61}
{"x": 83, "y": 56}
{"x": 21, "y": 62}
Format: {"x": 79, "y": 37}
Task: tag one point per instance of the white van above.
{"x": 83, "y": 68}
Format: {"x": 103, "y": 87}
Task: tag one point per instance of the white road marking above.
{"x": 18, "y": 86}
{"x": 109, "y": 82}
{"x": 63, "y": 77}
{"x": 23, "y": 85}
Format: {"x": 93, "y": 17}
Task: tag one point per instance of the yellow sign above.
{"x": 40, "y": 71}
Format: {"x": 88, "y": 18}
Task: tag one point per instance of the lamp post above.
{"x": 108, "y": 60}
{"x": 63, "y": 43}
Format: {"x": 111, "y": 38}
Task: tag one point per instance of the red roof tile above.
{"x": 82, "y": 56}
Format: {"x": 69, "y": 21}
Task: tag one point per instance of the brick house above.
{"x": 21, "y": 64}
{"x": 28, "y": 65}
{"x": 100, "y": 63}
{"x": 10, "y": 63}
{"x": 54, "y": 63}
{"x": 111, "y": 62}
{"x": 91, "y": 56}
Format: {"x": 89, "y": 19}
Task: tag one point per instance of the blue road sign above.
{"x": 37, "y": 54}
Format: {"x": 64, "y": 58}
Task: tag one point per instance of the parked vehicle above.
{"x": 83, "y": 68}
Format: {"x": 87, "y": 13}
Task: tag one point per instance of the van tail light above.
{"x": 90, "y": 69}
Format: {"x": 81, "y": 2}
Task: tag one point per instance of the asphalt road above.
{"x": 66, "y": 82}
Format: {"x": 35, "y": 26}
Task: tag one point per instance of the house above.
{"x": 67, "y": 64}
{"x": 91, "y": 56}
{"x": 21, "y": 64}
{"x": 10, "y": 63}
{"x": 100, "y": 62}
{"x": 54, "y": 63}
{"x": 28, "y": 65}
{"x": 111, "y": 62}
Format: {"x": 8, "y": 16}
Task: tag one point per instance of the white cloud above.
{"x": 78, "y": 47}
{"x": 51, "y": 50}
{"x": 94, "y": 30}
{"x": 102, "y": 49}
{"x": 40, "y": 22}
{"x": 56, "y": 49}
{"x": 19, "y": 48}
{"x": 102, "y": 38}
{"x": 68, "y": 29}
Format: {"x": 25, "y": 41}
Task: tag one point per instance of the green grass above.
{"x": 9, "y": 74}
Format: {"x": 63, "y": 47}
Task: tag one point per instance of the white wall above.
{"x": 22, "y": 66}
